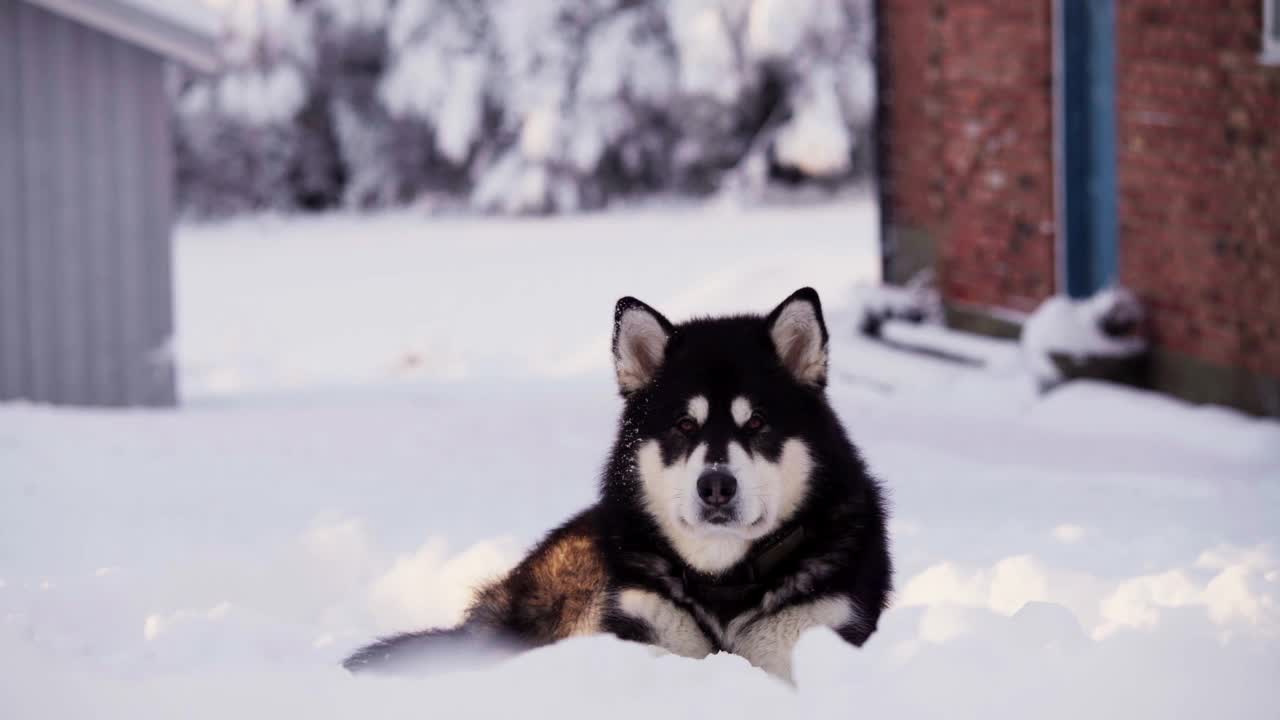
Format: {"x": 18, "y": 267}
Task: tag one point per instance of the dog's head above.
{"x": 719, "y": 421}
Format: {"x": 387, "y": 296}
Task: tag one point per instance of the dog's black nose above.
{"x": 717, "y": 488}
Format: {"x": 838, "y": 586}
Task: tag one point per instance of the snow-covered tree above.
{"x": 823, "y": 49}
{"x": 351, "y": 59}
{"x": 539, "y": 54}
{"x": 436, "y": 89}
{"x": 241, "y": 145}
{"x": 528, "y": 106}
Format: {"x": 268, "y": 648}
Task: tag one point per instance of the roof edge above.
{"x": 187, "y": 38}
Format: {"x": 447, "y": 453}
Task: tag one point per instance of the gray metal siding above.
{"x": 13, "y": 367}
{"x": 85, "y": 215}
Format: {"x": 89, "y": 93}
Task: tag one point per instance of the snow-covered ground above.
{"x": 381, "y": 411}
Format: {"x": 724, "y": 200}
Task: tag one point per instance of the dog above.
{"x": 734, "y": 513}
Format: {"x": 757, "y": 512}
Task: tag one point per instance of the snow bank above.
{"x": 1104, "y": 409}
{"x": 400, "y": 286}
{"x": 233, "y": 587}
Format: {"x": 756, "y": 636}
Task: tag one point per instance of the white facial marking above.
{"x": 671, "y": 497}
{"x": 741, "y": 409}
{"x": 641, "y": 344}
{"x": 769, "y": 495}
{"x": 673, "y": 628}
{"x": 699, "y": 408}
{"x": 795, "y": 466}
{"x": 768, "y": 642}
{"x": 757, "y": 488}
{"x": 771, "y": 491}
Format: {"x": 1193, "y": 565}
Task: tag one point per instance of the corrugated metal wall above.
{"x": 86, "y": 308}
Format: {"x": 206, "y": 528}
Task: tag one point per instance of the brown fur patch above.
{"x": 557, "y": 591}
{"x": 570, "y": 579}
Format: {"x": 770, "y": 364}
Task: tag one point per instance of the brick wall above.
{"x": 1199, "y": 177}
{"x": 968, "y": 109}
{"x": 967, "y": 114}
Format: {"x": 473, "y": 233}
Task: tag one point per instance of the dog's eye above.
{"x": 755, "y": 423}
{"x": 687, "y": 425}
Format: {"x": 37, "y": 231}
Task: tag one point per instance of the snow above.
{"x": 993, "y": 353}
{"x": 447, "y": 299}
{"x": 249, "y": 28}
{"x": 621, "y": 59}
{"x": 856, "y": 84}
{"x": 436, "y": 76}
{"x": 195, "y": 16}
{"x": 776, "y": 28}
{"x": 459, "y": 124}
{"x": 540, "y": 134}
{"x": 266, "y": 97}
{"x": 444, "y": 88}
{"x": 333, "y": 475}
{"x": 357, "y": 14}
{"x": 708, "y": 66}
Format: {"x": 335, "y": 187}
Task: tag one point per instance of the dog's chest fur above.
{"x": 758, "y": 621}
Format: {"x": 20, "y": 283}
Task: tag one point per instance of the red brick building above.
{"x": 978, "y": 143}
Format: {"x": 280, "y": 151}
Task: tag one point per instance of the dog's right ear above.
{"x": 800, "y": 337}
{"x": 640, "y": 336}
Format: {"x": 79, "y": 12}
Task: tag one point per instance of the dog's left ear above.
{"x": 640, "y": 336}
{"x": 800, "y": 337}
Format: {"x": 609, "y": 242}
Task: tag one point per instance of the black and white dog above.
{"x": 734, "y": 513}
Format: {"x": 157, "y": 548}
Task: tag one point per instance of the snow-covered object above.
{"x": 816, "y": 141}
{"x": 916, "y": 301}
{"x": 1106, "y": 325}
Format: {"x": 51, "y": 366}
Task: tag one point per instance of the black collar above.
{"x": 750, "y": 577}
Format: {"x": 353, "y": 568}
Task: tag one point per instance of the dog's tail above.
{"x": 467, "y": 646}
{"x": 545, "y": 598}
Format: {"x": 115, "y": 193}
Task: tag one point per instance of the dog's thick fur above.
{"x": 734, "y": 513}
